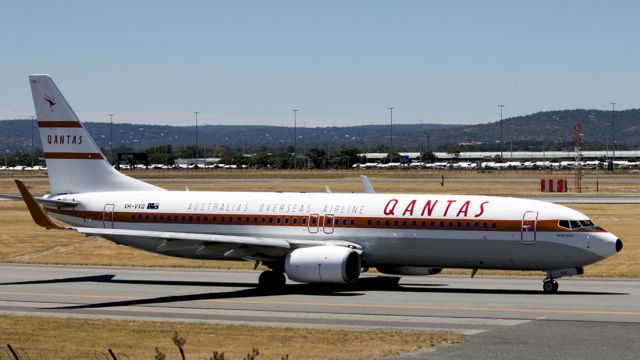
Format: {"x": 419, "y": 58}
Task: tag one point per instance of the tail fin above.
{"x": 74, "y": 162}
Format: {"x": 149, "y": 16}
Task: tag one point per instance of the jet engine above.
{"x": 323, "y": 264}
{"x": 408, "y": 270}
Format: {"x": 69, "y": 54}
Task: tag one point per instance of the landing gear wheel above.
{"x": 271, "y": 280}
{"x": 550, "y": 286}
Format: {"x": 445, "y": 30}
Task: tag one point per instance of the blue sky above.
{"x": 338, "y": 62}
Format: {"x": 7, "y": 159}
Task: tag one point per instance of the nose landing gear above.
{"x": 550, "y": 285}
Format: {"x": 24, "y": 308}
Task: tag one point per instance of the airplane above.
{"x": 322, "y": 237}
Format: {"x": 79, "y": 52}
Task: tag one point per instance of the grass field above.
{"x": 64, "y": 338}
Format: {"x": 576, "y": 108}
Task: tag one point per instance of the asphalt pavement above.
{"x": 501, "y": 317}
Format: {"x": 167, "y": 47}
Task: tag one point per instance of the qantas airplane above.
{"x": 307, "y": 237}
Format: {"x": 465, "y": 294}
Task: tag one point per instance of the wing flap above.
{"x": 194, "y": 237}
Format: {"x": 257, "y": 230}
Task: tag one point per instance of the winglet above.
{"x": 367, "y": 188}
{"x": 36, "y": 211}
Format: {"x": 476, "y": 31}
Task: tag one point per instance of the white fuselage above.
{"x": 403, "y": 230}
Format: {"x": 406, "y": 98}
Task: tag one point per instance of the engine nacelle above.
{"x": 323, "y": 264}
{"x": 408, "y": 270}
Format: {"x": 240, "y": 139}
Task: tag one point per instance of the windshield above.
{"x": 578, "y": 224}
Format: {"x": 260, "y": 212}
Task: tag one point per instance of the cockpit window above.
{"x": 586, "y": 223}
{"x": 578, "y": 224}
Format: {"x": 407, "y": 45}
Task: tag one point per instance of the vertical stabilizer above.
{"x": 74, "y": 162}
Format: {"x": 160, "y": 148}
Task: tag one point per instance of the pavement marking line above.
{"x": 74, "y": 295}
{"x": 245, "y": 323}
{"x": 541, "y": 317}
{"x": 380, "y": 306}
{"x": 420, "y": 307}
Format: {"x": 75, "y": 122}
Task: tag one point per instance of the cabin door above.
{"x": 107, "y": 216}
{"x": 313, "y": 223}
{"x": 528, "y": 230}
{"x": 329, "y": 221}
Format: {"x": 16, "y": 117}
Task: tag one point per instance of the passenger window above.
{"x": 278, "y": 220}
{"x": 353, "y": 222}
{"x": 493, "y": 226}
{"x": 404, "y": 223}
{"x": 270, "y": 220}
{"x": 378, "y": 222}
{"x": 295, "y": 220}
{"x": 415, "y": 223}
{"x": 304, "y": 221}
{"x": 133, "y": 217}
{"x": 386, "y": 223}
{"x": 344, "y": 222}
{"x": 368, "y": 222}
{"x": 286, "y": 221}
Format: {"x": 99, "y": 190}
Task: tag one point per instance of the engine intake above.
{"x": 323, "y": 264}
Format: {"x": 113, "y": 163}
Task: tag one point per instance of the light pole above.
{"x": 111, "y": 136}
{"x": 391, "y": 132}
{"x": 196, "y": 113}
{"x": 613, "y": 116}
{"x": 501, "y": 142}
{"x": 295, "y": 137}
{"x": 32, "y": 117}
{"x": 420, "y": 120}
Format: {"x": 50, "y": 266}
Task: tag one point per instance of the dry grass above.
{"x": 63, "y": 338}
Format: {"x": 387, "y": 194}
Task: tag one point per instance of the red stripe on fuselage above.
{"x": 304, "y": 221}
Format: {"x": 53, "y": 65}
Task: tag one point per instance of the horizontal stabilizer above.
{"x": 40, "y": 200}
{"x": 38, "y": 215}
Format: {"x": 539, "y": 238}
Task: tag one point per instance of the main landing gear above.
{"x": 550, "y": 286}
{"x": 271, "y": 280}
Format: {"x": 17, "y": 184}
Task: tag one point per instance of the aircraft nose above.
{"x": 618, "y": 245}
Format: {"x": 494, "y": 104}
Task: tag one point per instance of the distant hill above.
{"x": 527, "y": 132}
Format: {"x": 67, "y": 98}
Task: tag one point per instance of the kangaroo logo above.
{"x": 50, "y": 101}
